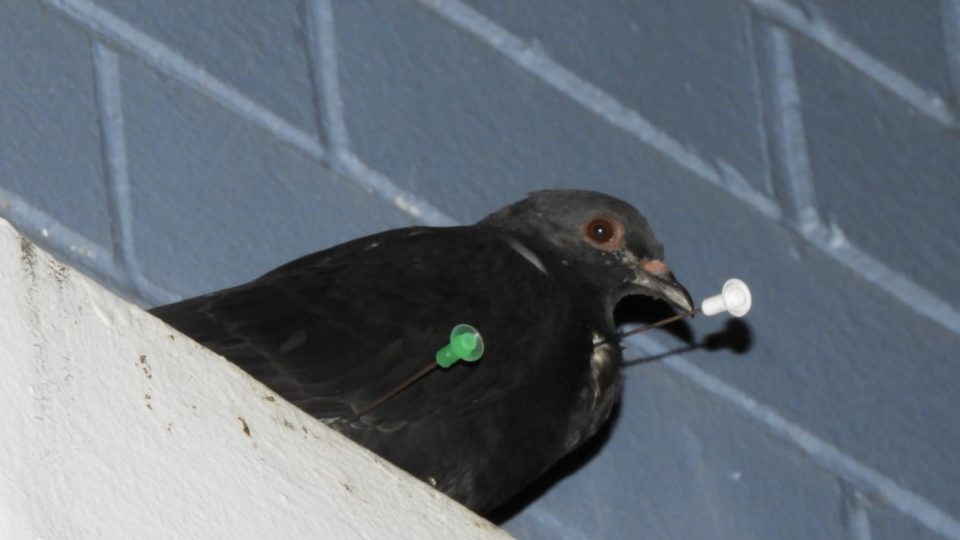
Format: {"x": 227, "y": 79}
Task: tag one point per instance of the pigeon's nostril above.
{"x": 656, "y": 268}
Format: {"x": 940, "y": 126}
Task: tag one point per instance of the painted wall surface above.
{"x": 808, "y": 146}
{"x": 117, "y": 426}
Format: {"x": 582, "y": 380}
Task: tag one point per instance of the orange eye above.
{"x": 600, "y": 230}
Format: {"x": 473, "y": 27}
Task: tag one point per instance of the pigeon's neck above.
{"x": 593, "y": 304}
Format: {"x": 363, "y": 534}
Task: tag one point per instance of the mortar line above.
{"x": 598, "y": 101}
{"x": 321, "y": 42}
{"x": 819, "y": 31}
{"x": 119, "y": 33}
{"x": 853, "y": 512}
{"x": 950, "y": 17}
{"x": 872, "y": 483}
{"x": 41, "y": 225}
{"x": 45, "y": 230}
{"x": 161, "y": 58}
{"x": 785, "y": 131}
{"x": 558, "y": 527}
{"x": 757, "y": 64}
{"x": 417, "y": 207}
{"x": 114, "y": 152}
{"x": 794, "y": 186}
{"x": 831, "y": 241}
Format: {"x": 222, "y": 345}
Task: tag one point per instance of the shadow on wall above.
{"x": 736, "y": 337}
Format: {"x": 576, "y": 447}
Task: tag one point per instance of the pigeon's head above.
{"x": 607, "y": 242}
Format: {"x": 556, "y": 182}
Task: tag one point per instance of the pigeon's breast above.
{"x": 599, "y": 394}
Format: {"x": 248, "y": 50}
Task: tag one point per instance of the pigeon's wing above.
{"x": 335, "y": 330}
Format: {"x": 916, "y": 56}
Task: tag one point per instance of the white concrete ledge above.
{"x": 115, "y": 426}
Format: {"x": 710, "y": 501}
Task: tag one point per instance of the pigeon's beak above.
{"x": 655, "y": 279}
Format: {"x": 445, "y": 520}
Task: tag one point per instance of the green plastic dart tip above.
{"x": 466, "y": 343}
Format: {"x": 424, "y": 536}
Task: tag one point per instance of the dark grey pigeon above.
{"x": 334, "y": 331}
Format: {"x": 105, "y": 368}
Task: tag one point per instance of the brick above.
{"x": 257, "y": 47}
{"x": 908, "y": 36}
{"x": 49, "y": 133}
{"x": 885, "y": 524}
{"x": 217, "y": 201}
{"x": 885, "y": 175}
{"x": 453, "y": 120}
{"x": 680, "y": 465}
{"x": 690, "y": 71}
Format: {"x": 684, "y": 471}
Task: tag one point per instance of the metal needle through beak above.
{"x": 660, "y": 323}
{"x": 735, "y": 298}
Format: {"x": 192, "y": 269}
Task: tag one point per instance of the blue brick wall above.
{"x": 811, "y": 147}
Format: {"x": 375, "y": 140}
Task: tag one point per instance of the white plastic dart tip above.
{"x": 734, "y": 298}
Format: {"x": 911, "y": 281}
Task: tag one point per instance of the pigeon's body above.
{"x": 334, "y": 331}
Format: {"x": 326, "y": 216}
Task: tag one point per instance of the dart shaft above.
{"x": 660, "y": 323}
{"x": 399, "y": 388}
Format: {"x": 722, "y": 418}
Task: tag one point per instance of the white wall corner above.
{"x": 116, "y": 426}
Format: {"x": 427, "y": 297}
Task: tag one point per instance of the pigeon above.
{"x": 335, "y": 331}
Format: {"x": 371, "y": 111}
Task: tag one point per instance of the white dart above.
{"x": 734, "y": 298}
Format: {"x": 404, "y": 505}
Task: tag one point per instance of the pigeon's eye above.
{"x": 605, "y": 232}
{"x": 600, "y": 231}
